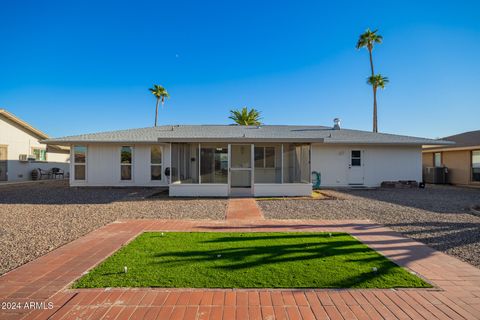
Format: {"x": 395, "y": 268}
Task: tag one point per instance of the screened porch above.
{"x": 240, "y": 169}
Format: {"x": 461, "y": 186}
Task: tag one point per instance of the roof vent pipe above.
{"x": 336, "y": 124}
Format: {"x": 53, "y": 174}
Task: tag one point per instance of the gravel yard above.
{"x": 36, "y": 218}
{"x": 437, "y": 215}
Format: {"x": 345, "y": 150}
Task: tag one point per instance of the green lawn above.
{"x": 248, "y": 260}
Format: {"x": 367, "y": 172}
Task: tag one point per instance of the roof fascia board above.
{"x": 438, "y": 149}
{"x": 23, "y": 124}
{"x": 379, "y": 143}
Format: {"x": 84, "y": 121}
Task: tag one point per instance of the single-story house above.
{"x": 21, "y": 151}
{"x": 461, "y": 159}
{"x": 232, "y": 160}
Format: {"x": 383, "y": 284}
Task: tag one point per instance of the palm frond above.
{"x": 368, "y": 39}
{"x": 245, "y": 117}
{"x": 378, "y": 81}
{"x": 159, "y": 92}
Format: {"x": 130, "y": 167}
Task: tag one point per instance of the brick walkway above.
{"x": 456, "y": 296}
{"x": 243, "y": 209}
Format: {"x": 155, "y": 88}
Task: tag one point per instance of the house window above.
{"x": 437, "y": 159}
{"x": 79, "y": 162}
{"x": 156, "y": 163}
{"x": 39, "y": 154}
{"x": 356, "y": 159}
{"x": 265, "y": 157}
{"x": 476, "y": 165}
{"x": 126, "y": 163}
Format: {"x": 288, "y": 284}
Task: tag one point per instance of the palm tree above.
{"x": 367, "y": 40}
{"x": 160, "y": 93}
{"x": 245, "y": 118}
{"x": 376, "y": 81}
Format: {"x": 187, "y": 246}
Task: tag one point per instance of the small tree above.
{"x": 244, "y": 117}
{"x": 160, "y": 93}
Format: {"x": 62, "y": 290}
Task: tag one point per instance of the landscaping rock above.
{"x": 439, "y": 216}
{"x": 39, "y": 217}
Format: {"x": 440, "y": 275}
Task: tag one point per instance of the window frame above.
{"x": 156, "y": 164}
{"x": 41, "y": 150}
{"x": 127, "y": 164}
{"x": 360, "y": 158}
{"x": 264, "y": 158}
{"x": 471, "y": 166}
{"x": 435, "y": 159}
{"x": 75, "y": 163}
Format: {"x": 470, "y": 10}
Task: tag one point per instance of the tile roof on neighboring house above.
{"x": 232, "y": 133}
{"x": 466, "y": 140}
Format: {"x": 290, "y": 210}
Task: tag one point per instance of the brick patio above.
{"x": 456, "y": 296}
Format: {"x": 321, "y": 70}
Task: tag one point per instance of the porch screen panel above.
{"x": 184, "y": 168}
{"x": 214, "y": 163}
{"x": 296, "y": 163}
{"x": 268, "y": 163}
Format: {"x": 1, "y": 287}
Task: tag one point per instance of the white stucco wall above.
{"x": 21, "y": 141}
{"x": 283, "y": 190}
{"x": 221, "y": 190}
{"x": 380, "y": 163}
{"x": 103, "y": 166}
{"x": 198, "y": 190}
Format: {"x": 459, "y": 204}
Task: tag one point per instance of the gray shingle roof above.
{"x": 231, "y": 133}
{"x": 462, "y": 140}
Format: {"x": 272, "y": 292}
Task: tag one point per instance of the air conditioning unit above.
{"x": 23, "y": 158}
{"x": 436, "y": 175}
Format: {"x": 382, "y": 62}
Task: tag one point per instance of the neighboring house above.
{"x": 231, "y": 160}
{"x": 21, "y": 150}
{"x": 461, "y": 159}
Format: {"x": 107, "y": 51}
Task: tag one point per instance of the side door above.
{"x": 356, "y": 172}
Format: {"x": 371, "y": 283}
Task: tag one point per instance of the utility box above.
{"x": 435, "y": 175}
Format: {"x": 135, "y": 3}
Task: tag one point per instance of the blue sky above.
{"x": 85, "y": 66}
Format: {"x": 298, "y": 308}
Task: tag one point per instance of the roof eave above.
{"x": 181, "y": 140}
{"x": 244, "y": 139}
{"x": 23, "y": 124}
{"x": 450, "y": 148}
{"x": 404, "y": 143}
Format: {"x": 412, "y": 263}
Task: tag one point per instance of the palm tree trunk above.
{"x": 375, "y": 126}
{"x": 371, "y": 61}
{"x": 156, "y": 112}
